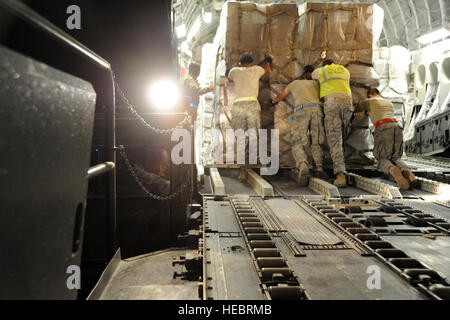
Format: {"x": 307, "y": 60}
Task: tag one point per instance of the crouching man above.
{"x": 307, "y": 125}
{"x": 388, "y": 139}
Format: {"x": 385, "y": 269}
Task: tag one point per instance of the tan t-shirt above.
{"x": 304, "y": 91}
{"x": 378, "y": 109}
{"x": 246, "y": 81}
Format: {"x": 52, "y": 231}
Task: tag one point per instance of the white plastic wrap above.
{"x": 392, "y": 65}
{"x": 363, "y": 75}
{"x": 208, "y": 66}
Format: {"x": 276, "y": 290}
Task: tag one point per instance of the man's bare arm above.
{"x": 282, "y": 96}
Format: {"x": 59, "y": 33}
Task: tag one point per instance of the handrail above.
{"x": 23, "y": 11}
{"x": 100, "y": 169}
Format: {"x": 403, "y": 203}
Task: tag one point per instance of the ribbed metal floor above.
{"x": 303, "y": 227}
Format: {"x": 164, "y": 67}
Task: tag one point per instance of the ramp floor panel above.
{"x": 435, "y": 254}
{"x": 428, "y": 207}
{"x": 234, "y": 186}
{"x": 149, "y": 277}
{"x": 230, "y": 269}
{"x": 302, "y": 225}
{"x": 343, "y": 275}
{"x": 289, "y": 186}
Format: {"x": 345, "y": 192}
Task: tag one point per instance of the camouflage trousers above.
{"x": 388, "y": 147}
{"x": 338, "y": 113}
{"x": 307, "y": 135}
{"x": 246, "y": 115}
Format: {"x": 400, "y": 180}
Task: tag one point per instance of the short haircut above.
{"x": 309, "y": 68}
{"x": 268, "y": 58}
{"x": 245, "y": 59}
{"x": 373, "y": 91}
{"x": 327, "y": 62}
{"x": 194, "y": 68}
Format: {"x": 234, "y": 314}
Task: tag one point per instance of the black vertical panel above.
{"x": 46, "y": 125}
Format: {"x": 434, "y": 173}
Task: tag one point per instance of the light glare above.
{"x": 207, "y": 17}
{"x": 164, "y": 94}
{"x": 434, "y": 36}
{"x": 181, "y": 31}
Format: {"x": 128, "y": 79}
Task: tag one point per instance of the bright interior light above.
{"x": 181, "y": 31}
{"x": 194, "y": 29}
{"x": 434, "y": 36}
{"x": 207, "y": 17}
{"x": 163, "y": 94}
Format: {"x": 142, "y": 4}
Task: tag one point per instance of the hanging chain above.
{"x": 141, "y": 185}
{"x": 186, "y": 122}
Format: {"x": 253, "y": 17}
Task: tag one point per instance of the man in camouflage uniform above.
{"x": 334, "y": 81}
{"x": 246, "y": 111}
{"x": 190, "y": 88}
{"x": 388, "y": 139}
{"x": 152, "y": 173}
{"x": 307, "y": 125}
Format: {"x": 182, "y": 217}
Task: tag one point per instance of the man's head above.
{"x": 373, "y": 92}
{"x": 157, "y": 161}
{"x": 308, "y": 72}
{"x": 246, "y": 60}
{"x": 266, "y": 64}
{"x": 194, "y": 70}
{"x": 327, "y": 62}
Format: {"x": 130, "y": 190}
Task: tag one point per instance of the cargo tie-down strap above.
{"x": 325, "y": 79}
{"x": 242, "y": 99}
{"x": 306, "y": 105}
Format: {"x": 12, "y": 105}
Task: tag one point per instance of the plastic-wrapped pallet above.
{"x": 283, "y": 122}
{"x": 392, "y": 65}
{"x": 359, "y": 140}
{"x": 345, "y": 32}
{"x": 258, "y": 30}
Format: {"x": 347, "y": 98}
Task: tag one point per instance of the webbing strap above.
{"x": 306, "y": 105}
{"x": 245, "y": 99}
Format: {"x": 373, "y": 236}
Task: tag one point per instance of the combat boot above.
{"x": 303, "y": 173}
{"x": 396, "y": 173}
{"x": 340, "y": 181}
{"x": 243, "y": 174}
{"x": 410, "y": 177}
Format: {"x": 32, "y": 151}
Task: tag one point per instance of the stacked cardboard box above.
{"x": 259, "y": 30}
{"x": 342, "y": 31}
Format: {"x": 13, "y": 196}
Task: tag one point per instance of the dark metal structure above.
{"x": 40, "y": 140}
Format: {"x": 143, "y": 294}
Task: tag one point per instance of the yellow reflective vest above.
{"x": 334, "y": 78}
